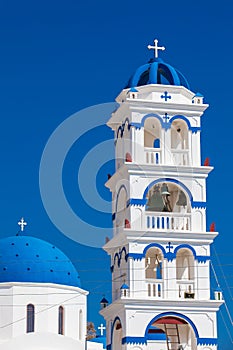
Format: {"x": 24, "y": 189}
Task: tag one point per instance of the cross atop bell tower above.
{"x": 156, "y": 48}
{"x": 160, "y": 250}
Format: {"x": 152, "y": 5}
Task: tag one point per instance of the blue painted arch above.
{"x": 182, "y": 118}
{"x": 175, "y": 314}
{"x": 154, "y": 245}
{"x": 166, "y": 179}
{"x": 152, "y": 115}
{"x": 186, "y": 246}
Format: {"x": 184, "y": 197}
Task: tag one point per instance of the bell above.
{"x": 164, "y": 190}
{"x": 155, "y": 202}
{"x": 182, "y": 201}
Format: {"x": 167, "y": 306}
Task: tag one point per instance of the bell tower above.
{"x": 160, "y": 250}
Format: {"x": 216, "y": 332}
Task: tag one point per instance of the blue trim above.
{"x": 151, "y": 245}
{"x": 153, "y": 73}
{"x": 169, "y": 255}
{"x": 151, "y": 115}
{"x": 166, "y": 124}
{"x": 198, "y": 204}
{"x": 207, "y": 341}
{"x": 119, "y": 256}
{"x": 138, "y": 73}
{"x": 175, "y": 314}
{"x": 109, "y": 347}
{"x": 167, "y": 179}
{"x": 117, "y": 318}
{"x": 113, "y": 216}
{"x": 122, "y": 127}
{"x": 134, "y": 340}
{"x": 137, "y": 201}
{"x": 187, "y": 246}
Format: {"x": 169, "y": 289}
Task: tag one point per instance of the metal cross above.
{"x": 101, "y": 328}
{"x": 169, "y": 247}
{"x": 166, "y": 96}
{"x": 166, "y": 117}
{"x": 156, "y": 48}
{"x": 22, "y": 223}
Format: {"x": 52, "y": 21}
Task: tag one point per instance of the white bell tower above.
{"x": 160, "y": 251}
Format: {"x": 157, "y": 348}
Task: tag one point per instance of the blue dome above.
{"x": 157, "y": 72}
{"x": 29, "y": 259}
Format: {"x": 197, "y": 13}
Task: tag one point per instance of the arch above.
{"x": 151, "y": 245}
{"x": 149, "y": 116}
{"x": 154, "y": 260}
{"x": 30, "y": 319}
{"x": 121, "y": 205}
{"x": 61, "y": 320}
{"x": 175, "y": 314}
{"x": 185, "y": 188}
{"x": 152, "y": 132}
{"x": 178, "y": 116}
{"x": 179, "y": 140}
{"x": 187, "y": 246}
{"x": 184, "y": 264}
{"x": 116, "y": 334}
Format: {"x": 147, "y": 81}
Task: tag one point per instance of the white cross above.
{"x": 101, "y": 328}
{"x": 156, "y": 48}
{"x": 22, "y": 223}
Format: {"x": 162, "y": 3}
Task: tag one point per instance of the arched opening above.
{"x": 61, "y": 320}
{"x": 185, "y": 273}
{"x": 180, "y": 142}
{"x": 168, "y": 197}
{"x": 154, "y": 261}
{"x": 152, "y": 140}
{"x": 117, "y": 336}
{"x": 121, "y": 207}
{"x": 30, "y": 318}
{"x": 178, "y": 333}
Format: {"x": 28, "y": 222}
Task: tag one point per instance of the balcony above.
{"x": 180, "y": 157}
{"x": 185, "y": 289}
{"x": 154, "y": 288}
{"x": 152, "y": 155}
{"x": 167, "y": 221}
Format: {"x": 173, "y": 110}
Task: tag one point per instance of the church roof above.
{"x": 29, "y": 259}
{"x": 156, "y": 71}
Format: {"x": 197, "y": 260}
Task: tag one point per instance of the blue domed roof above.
{"x": 29, "y": 259}
{"x": 157, "y": 72}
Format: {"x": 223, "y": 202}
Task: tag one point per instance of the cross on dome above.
{"x": 156, "y": 48}
{"x": 101, "y": 328}
{"x": 22, "y": 223}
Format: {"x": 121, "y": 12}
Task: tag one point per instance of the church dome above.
{"x": 156, "y": 71}
{"x": 29, "y": 259}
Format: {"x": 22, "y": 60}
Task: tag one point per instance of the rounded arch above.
{"x": 185, "y": 267}
{"x": 175, "y": 314}
{"x": 152, "y": 132}
{"x": 156, "y": 245}
{"x": 187, "y": 246}
{"x": 154, "y": 260}
{"x": 185, "y": 188}
{"x": 121, "y": 205}
{"x": 182, "y": 118}
{"x": 116, "y": 334}
{"x": 151, "y": 115}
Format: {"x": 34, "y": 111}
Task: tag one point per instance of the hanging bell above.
{"x": 155, "y": 202}
{"x": 182, "y": 201}
{"x": 164, "y": 190}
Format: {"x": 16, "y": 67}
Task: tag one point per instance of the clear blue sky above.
{"x": 58, "y": 57}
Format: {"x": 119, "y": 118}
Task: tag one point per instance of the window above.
{"x": 61, "y": 320}
{"x": 30, "y": 318}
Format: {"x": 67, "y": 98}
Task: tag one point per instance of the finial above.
{"x": 22, "y": 223}
{"x": 156, "y": 48}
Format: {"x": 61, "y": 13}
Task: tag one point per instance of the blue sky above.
{"x": 58, "y": 57}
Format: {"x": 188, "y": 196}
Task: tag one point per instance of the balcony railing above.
{"x": 185, "y": 289}
{"x": 154, "y": 288}
{"x": 167, "y": 221}
{"x": 152, "y": 155}
{"x": 180, "y": 157}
